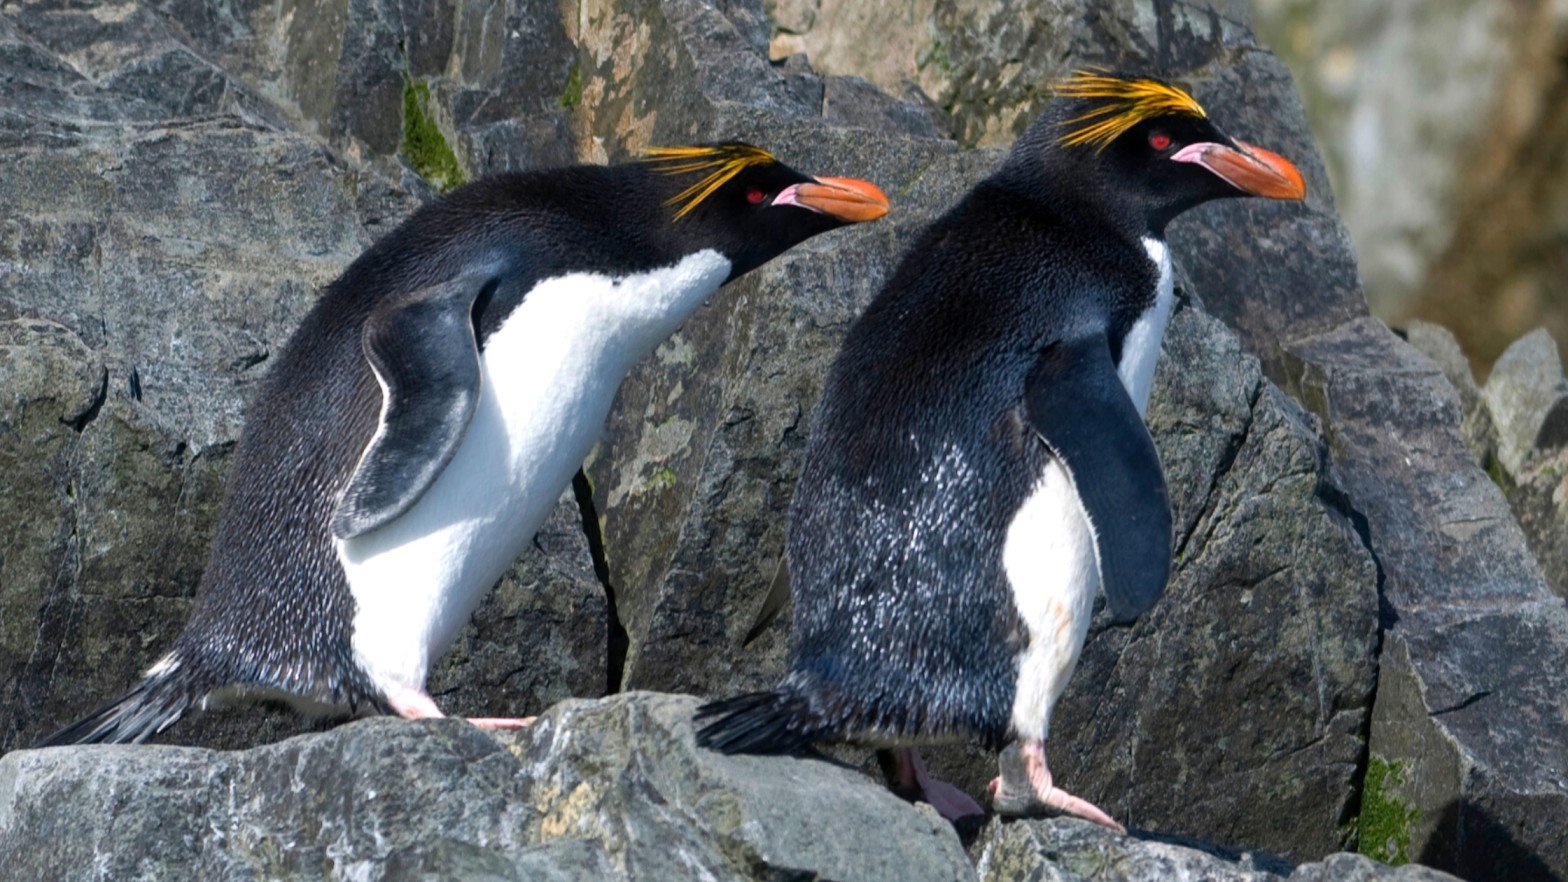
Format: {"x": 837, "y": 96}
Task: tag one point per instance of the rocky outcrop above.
{"x": 598, "y": 790}
{"x": 1357, "y": 646}
{"x": 1517, "y": 425}
{"x": 614, "y": 789}
{"x": 1076, "y": 851}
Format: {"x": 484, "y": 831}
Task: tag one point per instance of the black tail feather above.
{"x": 761, "y": 722}
{"x": 154, "y": 705}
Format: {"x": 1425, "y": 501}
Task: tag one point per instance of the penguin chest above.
{"x": 1049, "y": 554}
{"x": 1141, "y": 346}
{"x": 549, "y": 374}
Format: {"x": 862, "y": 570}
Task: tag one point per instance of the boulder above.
{"x": 1468, "y": 721}
{"x": 1077, "y": 851}
{"x": 1517, "y": 427}
{"x": 1476, "y": 428}
{"x": 1527, "y": 398}
{"x": 610, "y": 789}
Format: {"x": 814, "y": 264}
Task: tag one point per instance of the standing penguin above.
{"x": 979, "y": 462}
{"x": 421, "y": 423}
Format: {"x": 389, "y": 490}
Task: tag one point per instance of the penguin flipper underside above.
{"x": 424, "y": 353}
{"x": 1076, "y": 402}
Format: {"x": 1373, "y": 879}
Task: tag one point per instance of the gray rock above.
{"x": 1475, "y": 655}
{"x": 614, "y": 789}
{"x": 854, "y": 101}
{"x": 1528, "y": 400}
{"x": 1077, "y": 851}
{"x": 625, "y": 773}
{"x": 1476, "y": 429}
{"x": 499, "y": 76}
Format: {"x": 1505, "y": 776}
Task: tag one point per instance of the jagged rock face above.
{"x": 614, "y": 789}
{"x": 1076, "y": 851}
{"x": 189, "y": 173}
{"x": 597, "y": 790}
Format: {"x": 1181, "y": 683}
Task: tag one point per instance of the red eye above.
{"x": 1160, "y": 141}
{"x": 755, "y": 196}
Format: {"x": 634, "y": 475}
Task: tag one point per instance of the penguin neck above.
{"x": 1140, "y": 348}
{"x": 649, "y": 307}
{"x": 1067, "y": 183}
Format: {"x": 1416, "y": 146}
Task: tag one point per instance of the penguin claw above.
{"x": 415, "y": 704}
{"x": 1041, "y": 791}
{"x": 915, "y": 779}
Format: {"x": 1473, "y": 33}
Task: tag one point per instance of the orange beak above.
{"x": 1252, "y": 170}
{"x": 850, "y": 200}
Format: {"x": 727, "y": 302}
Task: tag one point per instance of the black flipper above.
{"x": 422, "y": 349}
{"x": 778, "y": 595}
{"x": 1077, "y": 403}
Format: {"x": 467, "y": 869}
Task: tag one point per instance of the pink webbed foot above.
{"x": 1025, "y": 790}
{"x": 911, "y": 777}
{"x": 413, "y": 704}
{"x": 494, "y": 724}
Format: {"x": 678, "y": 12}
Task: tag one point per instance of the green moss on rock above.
{"x": 1494, "y": 470}
{"x": 1385, "y": 821}
{"x": 572, "y": 95}
{"x": 425, "y": 148}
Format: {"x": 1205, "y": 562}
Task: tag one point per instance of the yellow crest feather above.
{"x": 721, "y": 161}
{"x": 1128, "y": 102}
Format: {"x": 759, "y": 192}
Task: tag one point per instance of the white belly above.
{"x": 549, "y": 375}
{"x": 1049, "y": 554}
{"x": 1049, "y": 560}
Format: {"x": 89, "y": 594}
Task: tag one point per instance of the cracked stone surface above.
{"x": 1070, "y": 850}
{"x": 610, "y": 789}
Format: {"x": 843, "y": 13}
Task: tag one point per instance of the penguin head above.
{"x": 744, "y": 203}
{"x": 1147, "y": 151}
